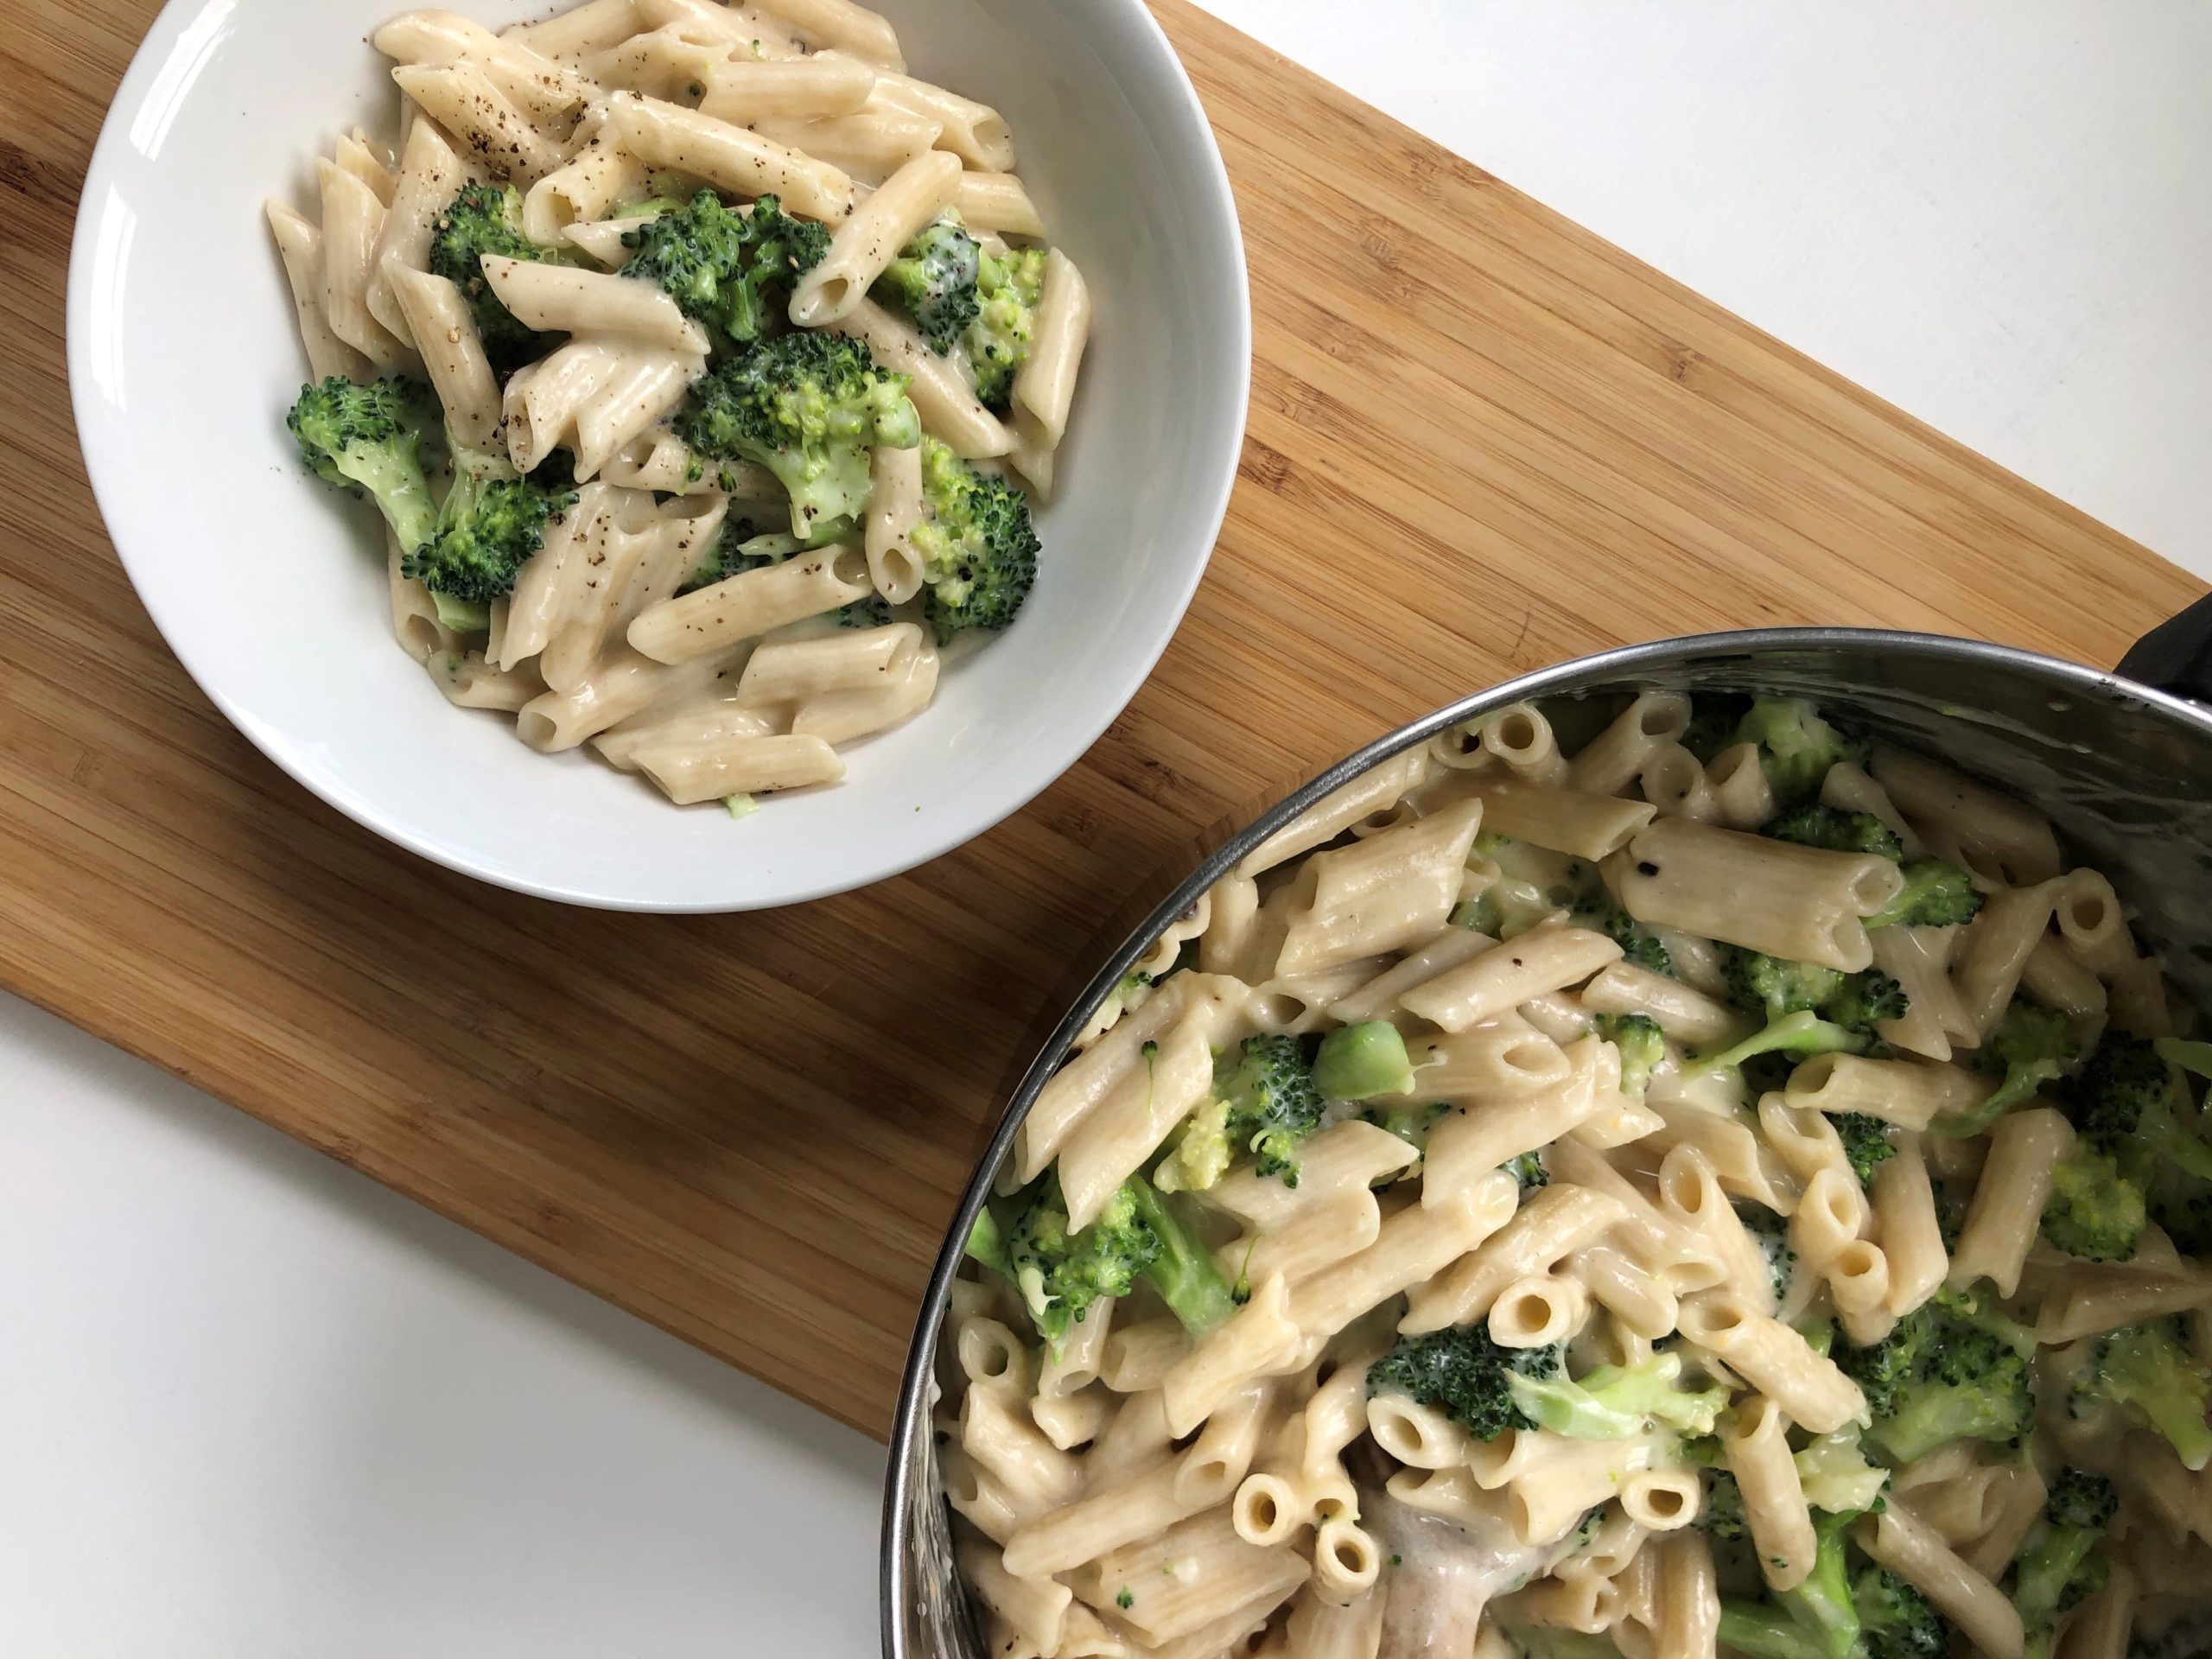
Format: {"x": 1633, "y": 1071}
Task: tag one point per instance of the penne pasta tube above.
{"x": 1916, "y": 1553}
{"x": 300, "y": 245}
{"x": 871, "y": 238}
{"x": 744, "y": 90}
{"x": 547, "y": 93}
{"x": 1563, "y": 820}
{"x": 754, "y": 602}
{"x": 2009, "y": 1198}
{"x": 429, "y": 174}
{"x": 731, "y": 158}
{"x": 1044, "y": 390}
{"x": 489, "y": 132}
{"x": 439, "y": 321}
{"x": 1941, "y": 805}
{"x": 1735, "y": 784}
{"x": 1548, "y": 958}
{"x": 568, "y": 301}
{"x": 997, "y": 204}
{"x": 840, "y": 26}
{"x": 1799, "y": 902}
{"x": 1907, "y": 1093}
{"x": 1553, "y": 1224}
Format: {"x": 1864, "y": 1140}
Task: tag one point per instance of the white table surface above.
{"x": 252, "y": 1404}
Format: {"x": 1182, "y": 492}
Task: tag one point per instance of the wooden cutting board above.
{"x": 1483, "y": 442}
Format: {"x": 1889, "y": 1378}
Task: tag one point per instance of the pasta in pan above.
{"x": 678, "y": 336}
{"x": 1518, "y": 1213}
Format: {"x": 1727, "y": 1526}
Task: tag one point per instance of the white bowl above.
{"x": 269, "y": 587}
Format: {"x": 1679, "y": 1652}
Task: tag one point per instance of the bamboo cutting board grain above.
{"x": 1485, "y": 442}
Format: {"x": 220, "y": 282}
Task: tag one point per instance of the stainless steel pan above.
{"x": 2121, "y": 761}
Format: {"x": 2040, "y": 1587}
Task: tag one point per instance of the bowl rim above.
{"x": 900, "y": 1473}
{"x": 106, "y": 474}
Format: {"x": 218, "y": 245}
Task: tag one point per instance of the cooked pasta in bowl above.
{"x": 749, "y": 399}
{"x": 1663, "y": 1160}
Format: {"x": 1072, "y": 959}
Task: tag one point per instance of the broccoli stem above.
{"x": 1359, "y": 1062}
{"x": 1183, "y": 1272}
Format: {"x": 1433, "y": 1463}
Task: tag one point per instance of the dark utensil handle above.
{"x": 2176, "y": 655}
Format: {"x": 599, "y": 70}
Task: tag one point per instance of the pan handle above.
{"x": 2176, "y": 655}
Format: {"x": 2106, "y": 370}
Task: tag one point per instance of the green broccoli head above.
{"x": 1060, "y": 1271}
{"x": 1836, "y": 831}
{"x": 2028, "y": 1048}
{"x": 1464, "y": 1374}
{"x": 1896, "y": 1620}
{"x": 933, "y": 282}
{"x": 488, "y": 218}
{"x": 2059, "y": 1564}
{"x": 2123, "y": 1078}
{"x": 1272, "y": 1104}
{"x": 1642, "y": 1045}
{"x": 809, "y": 407}
{"x": 488, "y": 528}
{"x": 979, "y": 545}
{"x": 1639, "y": 944}
{"x": 1796, "y": 746}
{"x": 1614, "y": 1403}
{"x": 732, "y": 270}
{"x": 370, "y": 438}
{"x": 1950, "y": 1370}
{"x": 2147, "y": 1372}
{"x": 1771, "y": 1234}
{"x": 1774, "y": 986}
{"x": 1008, "y": 289}
{"x": 1934, "y": 895}
{"x": 2093, "y": 1212}
{"x": 1866, "y": 1142}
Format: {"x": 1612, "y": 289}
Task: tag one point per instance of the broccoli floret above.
{"x": 1642, "y": 1045}
{"x": 1818, "y": 1619}
{"x": 1774, "y": 985}
{"x": 1183, "y": 1272}
{"x": 2094, "y": 1211}
{"x": 1836, "y": 831}
{"x": 732, "y": 270}
{"x": 1272, "y": 1104}
{"x": 1796, "y": 746}
{"x": 1528, "y": 1170}
{"x": 1639, "y": 944}
{"x": 1934, "y": 895}
{"x": 978, "y": 542}
{"x": 809, "y": 407}
{"x": 1007, "y": 289}
{"x": 2059, "y": 1564}
{"x": 488, "y": 218}
{"x": 2123, "y": 1078}
{"x": 488, "y": 528}
{"x": 1800, "y": 1034}
{"x": 933, "y": 280}
{"x": 370, "y": 438}
{"x": 2147, "y": 1370}
{"x": 1359, "y": 1062}
{"x": 1722, "y": 1512}
{"x": 1866, "y": 1142}
{"x": 1896, "y": 1622}
{"x": 1950, "y": 1370}
{"x": 1771, "y": 1234}
{"x": 1487, "y": 1388}
{"x": 2030, "y": 1048}
{"x": 1060, "y": 1272}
